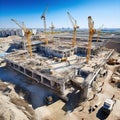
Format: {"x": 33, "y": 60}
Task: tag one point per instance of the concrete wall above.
{"x": 56, "y": 53}
{"x": 39, "y": 77}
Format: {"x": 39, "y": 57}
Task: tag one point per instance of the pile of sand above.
{"x": 12, "y": 106}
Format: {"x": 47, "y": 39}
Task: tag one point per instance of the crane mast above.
{"x": 91, "y": 33}
{"x": 98, "y": 32}
{"x": 27, "y": 34}
{"x": 52, "y": 27}
{"x": 43, "y": 17}
{"x": 75, "y": 27}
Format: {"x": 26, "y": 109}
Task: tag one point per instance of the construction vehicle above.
{"x": 43, "y": 17}
{"x": 108, "y": 106}
{"x": 56, "y": 59}
{"x": 49, "y": 100}
{"x": 112, "y": 61}
{"x": 52, "y": 27}
{"x": 75, "y": 27}
{"x": 91, "y": 33}
{"x": 27, "y": 34}
{"x": 63, "y": 59}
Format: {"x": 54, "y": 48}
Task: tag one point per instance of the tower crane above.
{"x": 75, "y": 27}
{"x": 43, "y": 17}
{"x": 52, "y": 27}
{"x": 91, "y": 33}
{"x": 27, "y": 34}
{"x": 98, "y": 32}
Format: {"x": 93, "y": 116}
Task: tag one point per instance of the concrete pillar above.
{"x": 41, "y": 79}
{"x": 52, "y": 83}
{"x": 32, "y": 75}
{"x": 63, "y": 54}
{"x": 18, "y": 67}
{"x": 76, "y": 72}
{"x": 85, "y": 91}
{"x": 85, "y": 51}
{"x": 13, "y": 65}
{"x": 62, "y": 88}
{"x": 25, "y": 71}
{"x": 71, "y": 53}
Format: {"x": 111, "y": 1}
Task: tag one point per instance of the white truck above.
{"x": 108, "y": 105}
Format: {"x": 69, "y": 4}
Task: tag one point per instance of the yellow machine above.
{"x": 63, "y": 59}
{"x": 75, "y": 26}
{"x": 91, "y": 33}
{"x": 27, "y": 34}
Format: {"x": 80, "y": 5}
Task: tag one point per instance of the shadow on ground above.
{"x": 101, "y": 114}
{"x": 75, "y": 98}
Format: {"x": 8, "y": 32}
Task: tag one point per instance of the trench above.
{"x": 35, "y": 94}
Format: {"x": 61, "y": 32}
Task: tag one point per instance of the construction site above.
{"x": 78, "y": 69}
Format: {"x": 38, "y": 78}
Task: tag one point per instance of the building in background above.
{"x": 11, "y": 32}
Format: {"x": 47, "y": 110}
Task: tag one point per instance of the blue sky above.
{"x": 105, "y": 12}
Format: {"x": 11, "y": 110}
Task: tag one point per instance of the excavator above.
{"x": 91, "y": 33}
{"x": 75, "y": 27}
{"x": 27, "y": 34}
{"x": 43, "y": 17}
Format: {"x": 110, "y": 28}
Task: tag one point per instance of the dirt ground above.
{"x": 14, "y": 107}
{"x": 56, "y": 112}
